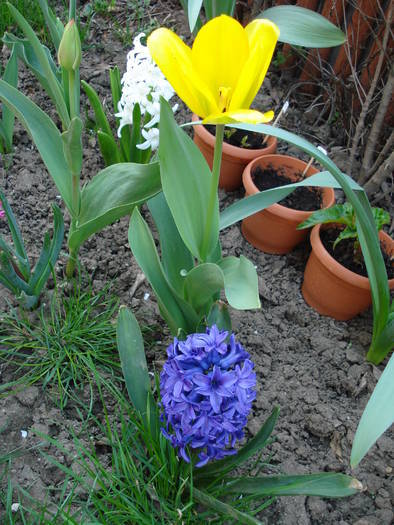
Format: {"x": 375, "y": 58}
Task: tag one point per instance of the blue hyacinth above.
{"x": 207, "y": 389}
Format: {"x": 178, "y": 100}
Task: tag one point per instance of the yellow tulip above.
{"x": 221, "y": 74}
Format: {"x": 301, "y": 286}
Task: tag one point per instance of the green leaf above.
{"x": 325, "y": 485}
{"x": 55, "y": 89}
{"x": 381, "y": 217}
{"x": 109, "y": 149}
{"x": 135, "y": 136}
{"x": 54, "y": 25}
{"x": 100, "y": 116}
{"x": 186, "y": 182}
{"x": 240, "y": 283}
{"x": 378, "y": 415}
{"x": 224, "y": 508}
{"x": 172, "y": 307}
{"x": 72, "y": 145}
{"x": 334, "y": 214}
{"x": 254, "y": 445}
{"x": 193, "y": 11}
{"x": 112, "y": 194}
{"x": 201, "y": 286}
{"x": 49, "y": 254}
{"x": 133, "y": 360}
{"x": 9, "y": 275}
{"x": 46, "y": 137}
{"x": 219, "y": 315}
{"x": 11, "y": 77}
{"x": 175, "y": 257}
{"x": 303, "y": 27}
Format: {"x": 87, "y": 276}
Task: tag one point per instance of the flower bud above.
{"x": 69, "y": 53}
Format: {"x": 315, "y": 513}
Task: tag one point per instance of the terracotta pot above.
{"x": 274, "y": 230}
{"x": 332, "y": 289}
{"x": 234, "y": 159}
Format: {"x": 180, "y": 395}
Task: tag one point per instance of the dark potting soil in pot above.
{"x": 344, "y": 253}
{"x": 303, "y": 199}
{"x": 240, "y": 138}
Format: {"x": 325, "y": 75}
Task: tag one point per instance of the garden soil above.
{"x": 311, "y": 366}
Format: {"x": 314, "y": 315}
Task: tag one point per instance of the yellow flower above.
{"x": 221, "y": 74}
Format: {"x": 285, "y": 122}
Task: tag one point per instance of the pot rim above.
{"x": 276, "y": 208}
{"x": 333, "y": 266}
{"x": 229, "y": 149}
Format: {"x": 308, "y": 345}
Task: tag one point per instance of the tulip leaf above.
{"x": 112, "y": 194}
{"x": 133, "y": 359}
{"x": 186, "y": 181}
{"x": 45, "y": 135}
{"x": 175, "y": 257}
{"x": 219, "y": 315}
{"x": 378, "y": 415}
{"x": 176, "y": 312}
{"x": 303, "y": 27}
{"x": 254, "y": 445}
{"x": 202, "y": 284}
{"x": 7, "y": 122}
{"x": 193, "y": 11}
{"x": 240, "y": 282}
{"x": 325, "y": 485}
{"x": 54, "y": 25}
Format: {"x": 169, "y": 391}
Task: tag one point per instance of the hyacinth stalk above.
{"x": 207, "y": 389}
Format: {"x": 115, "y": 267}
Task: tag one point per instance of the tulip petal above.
{"x": 263, "y": 35}
{"x": 174, "y": 59}
{"x": 219, "y": 53}
{"x": 248, "y": 116}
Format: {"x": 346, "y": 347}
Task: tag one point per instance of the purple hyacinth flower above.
{"x": 215, "y": 385}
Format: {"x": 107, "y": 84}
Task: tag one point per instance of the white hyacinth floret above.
{"x": 143, "y": 84}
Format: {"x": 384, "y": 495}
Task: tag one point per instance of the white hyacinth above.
{"x": 143, "y": 84}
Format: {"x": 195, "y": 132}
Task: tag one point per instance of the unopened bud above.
{"x": 69, "y": 53}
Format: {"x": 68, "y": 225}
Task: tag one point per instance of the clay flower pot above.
{"x": 332, "y": 289}
{"x": 234, "y": 159}
{"x": 274, "y": 230}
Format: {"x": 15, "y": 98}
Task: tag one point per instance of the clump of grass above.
{"x": 30, "y": 9}
{"x": 72, "y": 336}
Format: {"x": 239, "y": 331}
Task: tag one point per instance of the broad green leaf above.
{"x": 325, "y": 485}
{"x": 202, "y": 284}
{"x": 11, "y": 77}
{"x": 55, "y": 92}
{"x": 109, "y": 149}
{"x": 175, "y": 257}
{"x": 381, "y": 217}
{"x": 240, "y": 282}
{"x": 100, "y": 116}
{"x": 219, "y": 315}
{"x": 224, "y": 508}
{"x": 186, "y": 179}
{"x": 54, "y": 25}
{"x": 133, "y": 360}
{"x": 112, "y": 194}
{"x": 49, "y": 254}
{"x": 45, "y": 135}
{"x": 303, "y": 27}
{"x": 144, "y": 250}
{"x": 254, "y": 445}
{"x": 334, "y": 214}
{"x": 72, "y": 145}
{"x": 378, "y": 415}
{"x": 193, "y": 11}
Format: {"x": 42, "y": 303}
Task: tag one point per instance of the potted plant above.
{"x": 234, "y": 157}
{"x": 274, "y": 229}
{"x": 336, "y": 281}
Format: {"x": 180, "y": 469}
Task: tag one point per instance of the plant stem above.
{"x": 71, "y": 94}
{"x": 217, "y": 160}
{"x": 72, "y": 10}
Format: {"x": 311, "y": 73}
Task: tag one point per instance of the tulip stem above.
{"x": 217, "y": 160}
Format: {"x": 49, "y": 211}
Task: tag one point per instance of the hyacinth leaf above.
{"x": 46, "y": 137}
{"x": 303, "y": 27}
{"x": 116, "y": 87}
{"x": 186, "y": 183}
{"x": 219, "y": 315}
{"x": 112, "y": 194}
{"x": 133, "y": 360}
{"x": 7, "y": 122}
{"x": 254, "y": 445}
{"x": 55, "y": 90}
{"x": 325, "y": 485}
{"x": 99, "y": 114}
{"x": 172, "y": 308}
{"x": 16, "y": 236}
{"x": 175, "y": 257}
{"x": 202, "y": 285}
{"x": 219, "y": 7}
{"x": 378, "y": 415}
{"x": 49, "y": 254}
{"x": 109, "y": 149}
{"x": 366, "y": 229}
{"x": 135, "y": 137}
{"x": 240, "y": 282}
{"x": 224, "y": 508}
{"x": 54, "y": 25}
{"x": 193, "y": 11}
